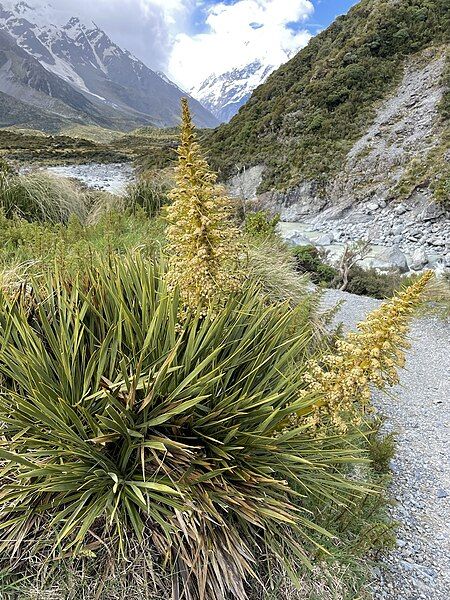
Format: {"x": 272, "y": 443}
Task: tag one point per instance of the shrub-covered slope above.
{"x": 303, "y": 121}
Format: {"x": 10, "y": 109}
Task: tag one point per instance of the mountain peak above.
{"x": 77, "y": 71}
{"x": 37, "y": 13}
{"x": 223, "y": 94}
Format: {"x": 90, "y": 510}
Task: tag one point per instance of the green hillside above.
{"x": 304, "y": 119}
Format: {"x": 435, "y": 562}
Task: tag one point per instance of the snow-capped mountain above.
{"x": 224, "y": 94}
{"x": 74, "y": 71}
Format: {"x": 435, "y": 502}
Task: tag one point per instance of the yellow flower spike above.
{"x": 371, "y": 356}
{"x": 203, "y": 244}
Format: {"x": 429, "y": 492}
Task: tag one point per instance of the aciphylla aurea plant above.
{"x": 368, "y": 358}
{"x": 203, "y": 243}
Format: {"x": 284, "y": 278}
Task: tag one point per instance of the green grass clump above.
{"x": 38, "y": 248}
{"x": 39, "y": 196}
{"x": 149, "y": 193}
{"x": 122, "y": 425}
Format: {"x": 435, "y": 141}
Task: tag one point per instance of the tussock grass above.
{"x": 272, "y": 265}
{"x": 150, "y": 193}
{"x": 40, "y": 196}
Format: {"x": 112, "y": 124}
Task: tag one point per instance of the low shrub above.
{"x": 308, "y": 259}
{"x": 370, "y": 282}
{"x": 260, "y": 224}
{"x": 381, "y": 449}
{"x": 362, "y": 282}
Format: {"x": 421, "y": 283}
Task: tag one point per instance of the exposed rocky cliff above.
{"x": 387, "y": 188}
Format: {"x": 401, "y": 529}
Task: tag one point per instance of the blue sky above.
{"x": 191, "y": 39}
{"x": 219, "y": 36}
{"x": 325, "y": 11}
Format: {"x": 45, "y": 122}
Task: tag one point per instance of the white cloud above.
{"x": 238, "y": 34}
{"x": 145, "y": 27}
{"x": 159, "y": 31}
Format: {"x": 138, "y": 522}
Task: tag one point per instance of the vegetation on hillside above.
{"x": 148, "y": 147}
{"x": 304, "y": 119}
{"x": 152, "y": 446}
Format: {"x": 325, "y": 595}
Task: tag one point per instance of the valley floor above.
{"x": 419, "y": 412}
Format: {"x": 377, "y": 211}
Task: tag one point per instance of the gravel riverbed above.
{"x": 418, "y": 410}
{"x": 113, "y": 177}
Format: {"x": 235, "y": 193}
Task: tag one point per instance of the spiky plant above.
{"x": 370, "y": 357}
{"x": 203, "y": 244}
{"x": 117, "y": 425}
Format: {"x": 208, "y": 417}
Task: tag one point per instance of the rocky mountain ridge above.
{"x": 77, "y": 72}
{"x": 224, "y": 94}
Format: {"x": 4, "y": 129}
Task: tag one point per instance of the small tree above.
{"x": 351, "y": 256}
{"x": 203, "y": 242}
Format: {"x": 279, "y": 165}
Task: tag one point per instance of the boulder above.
{"x": 296, "y": 238}
{"x": 398, "y": 229}
{"x": 400, "y": 209}
{"x": 431, "y": 212}
{"x": 325, "y": 240}
{"x": 371, "y": 206}
{"x": 397, "y": 259}
{"x": 419, "y": 260}
{"x": 390, "y": 259}
{"x": 434, "y": 259}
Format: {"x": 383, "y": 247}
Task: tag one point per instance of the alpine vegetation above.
{"x": 203, "y": 244}
{"x": 144, "y": 453}
{"x": 369, "y": 357}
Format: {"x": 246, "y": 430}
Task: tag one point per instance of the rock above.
{"x": 398, "y": 229}
{"x": 442, "y": 494}
{"x": 371, "y": 206}
{"x": 400, "y": 209}
{"x": 325, "y": 240}
{"x": 359, "y": 217}
{"x": 418, "y": 260}
{"x": 434, "y": 258}
{"x": 297, "y": 239}
{"x": 245, "y": 184}
{"x": 431, "y": 212}
{"x": 398, "y": 259}
{"x": 437, "y": 241}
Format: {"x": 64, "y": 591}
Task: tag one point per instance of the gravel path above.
{"x": 419, "y": 411}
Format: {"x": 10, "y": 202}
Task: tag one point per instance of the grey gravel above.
{"x": 113, "y": 177}
{"x": 418, "y": 410}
